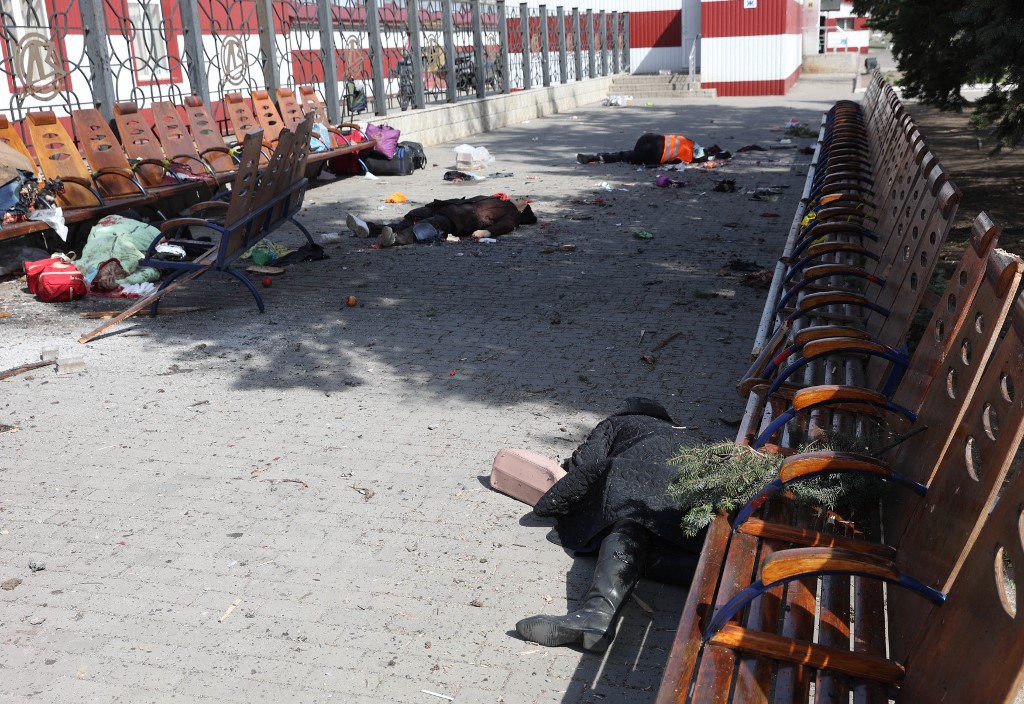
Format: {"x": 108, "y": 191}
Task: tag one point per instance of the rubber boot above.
{"x": 619, "y": 564}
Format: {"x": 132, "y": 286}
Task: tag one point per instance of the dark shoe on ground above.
{"x": 425, "y": 232}
{"x": 587, "y": 158}
{"x": 622, "y": 555}
{"x": 358, "y": 226}
{"x": 386, "y": 237}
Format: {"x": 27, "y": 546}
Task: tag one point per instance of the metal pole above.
{"x": 591, "y": 56}
{"x": 524, "y": 29}
{"x": 102, "y": 74}
{"x": 380, "y": 99}
{"x": 331, "y": 95}
{"x": 615, "y": 41}
{"x": 627, "y": 59}
{"x": 563, "y": 66}
{"x": 506, "y": 73}
{"x": 448, "y": 27}
{"x": 265, "y": 20}
{"x": 192, "y": 38}
{"x": 416, "y": 51}
{"x": 577, "y": 43}
{"x": 545, "y": 46}
{"x": 479, "y": 57}
{"x": 603, "y": 25}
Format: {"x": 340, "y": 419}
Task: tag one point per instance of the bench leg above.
{"x": 249, "y": 285}
{"x": 302, "y": 228}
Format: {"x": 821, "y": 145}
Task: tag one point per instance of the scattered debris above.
{"x": 758, "y": 279}
{"x": 37, "y": 565}
{"x": 664, "y": 343}
{"x": 396, "y": 198}
{"x": 643, "y": 235}
{"x": 8, "y": 428}
{"x": 751, "y": 148}
{"x": 5, "y": 314}
{"x": 26, "y": 368}
{"x": 272, "y": 270}
{"x": 726, "y": 186}
{"x": 668, "y": 182}
{"x": 649, "y": 358}
{"x": 477, "y": 603}
{"x": 435, "y": 694}
{"x": 351, "y": 301}
{"x": 9, "y": 584}
{"x": 231, "y": 608}
{"x": 282, "y": 481}
{"x": 366, "y": 492}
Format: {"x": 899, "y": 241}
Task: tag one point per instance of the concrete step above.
{"x": 657, "y": 86}
{"x": 641, "y": 79}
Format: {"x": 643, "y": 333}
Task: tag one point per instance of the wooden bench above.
{"x": 787, "y": 604}
{"x": 260, "y": 202}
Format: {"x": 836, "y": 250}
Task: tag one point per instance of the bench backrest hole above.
{"x": 1006, "y": 387}
{"x": 972, "y": 457}
{"x": 990, "y": 421}
{"x": 1006, "y": 581}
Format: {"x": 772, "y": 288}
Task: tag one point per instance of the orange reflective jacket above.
{"x": 677, "y": 148}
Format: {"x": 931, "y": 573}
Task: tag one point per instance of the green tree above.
{"x": 942, "y": 45}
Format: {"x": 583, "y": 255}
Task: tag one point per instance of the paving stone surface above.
{"x": 294, "y": 507}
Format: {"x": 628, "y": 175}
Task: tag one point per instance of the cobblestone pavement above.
{"x": 293, "y": 507}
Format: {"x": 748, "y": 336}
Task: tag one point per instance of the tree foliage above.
{"x": 943, "y": 45}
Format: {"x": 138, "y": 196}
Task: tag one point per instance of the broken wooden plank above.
{"x": 26, "y": 368}
{"x": 166, "y": 310}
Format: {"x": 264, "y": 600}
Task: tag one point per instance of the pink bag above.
{"x": 524, "y": 475}
{"x": 386, "y": 138}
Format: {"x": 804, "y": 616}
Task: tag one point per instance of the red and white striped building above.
{"x": 745, "y": 47}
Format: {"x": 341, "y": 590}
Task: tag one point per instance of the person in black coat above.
{"x": 613, "y": 501}
{"x": 476, "y": 217}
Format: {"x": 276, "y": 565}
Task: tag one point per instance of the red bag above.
{"x": 60, "y": 282}
{"x": 34, "y": 269}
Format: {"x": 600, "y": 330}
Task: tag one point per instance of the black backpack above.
{"x": 419, "y": 157}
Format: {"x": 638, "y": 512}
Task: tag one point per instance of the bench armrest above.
{"x": 797, "y": 563}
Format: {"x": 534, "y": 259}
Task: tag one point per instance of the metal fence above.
{"x": 361, "y": 56}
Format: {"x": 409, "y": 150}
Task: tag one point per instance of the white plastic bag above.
{"x": 470, "y": 158}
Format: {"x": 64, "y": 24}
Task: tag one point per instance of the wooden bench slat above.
{"x": 810, "y": 655}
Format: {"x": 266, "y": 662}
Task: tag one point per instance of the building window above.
{"x": 845, "y": 23}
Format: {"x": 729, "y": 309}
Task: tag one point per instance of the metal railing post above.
{"x": 506, "y": 70}
{"x": 591, "y": 56}
{"x": 330, "y": 60}
{"x": 416, "y": 51}
{"x": 615, "y": 41}
{"x": 603, "y": 25}
{"x": 545, "y": 46}
{"x": 627, "y": 61}
{"x": 268, "y": 47}
{"x": 380, "y": 98}
{"x": 102, "y": 75}
{"x": 448, "y": 27}
{"x": 577, "y": 43}
{"x": 479, "y": 57}
{"x": 192, "y": 38}
{"x": 563, "y": 64}
{"x": 524, "y": 29}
